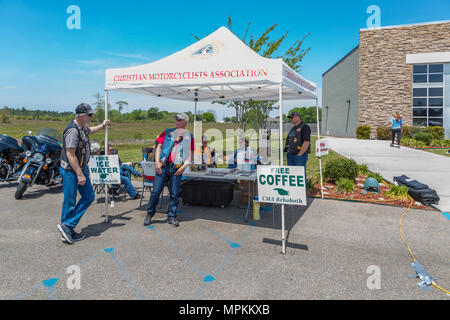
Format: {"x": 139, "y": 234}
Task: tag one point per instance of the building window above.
{"x": 428, "y": 95}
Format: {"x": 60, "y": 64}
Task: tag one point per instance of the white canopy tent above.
{"x": 217, "y": 67}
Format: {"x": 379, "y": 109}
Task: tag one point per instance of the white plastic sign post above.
{"x": 324, "y": 149}
{"x": 282, "y": 185}
{"x": 104, "y": 169}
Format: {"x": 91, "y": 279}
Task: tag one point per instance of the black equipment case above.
{"x": 419, "y": 191}
{"x": 208, "y": 193}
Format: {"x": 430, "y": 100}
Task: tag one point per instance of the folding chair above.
{"x": 149, "y": 172}
{"x": 147, "y": 154}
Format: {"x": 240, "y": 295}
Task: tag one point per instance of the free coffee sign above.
{"x": 104, "y": 169}
{"x": 282, "y": 185}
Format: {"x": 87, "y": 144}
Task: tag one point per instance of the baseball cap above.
{"x": 294, "y": 114}
{"x": 95, "y": 147}
{"x": 84, "y": 108}
{"x": 181, "y": 116}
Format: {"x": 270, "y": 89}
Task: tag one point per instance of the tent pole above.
{"x": 318, "y": 139}
{"x": 283, "y": 237}
{"x": 195, "y": 114}
{"x": 106, "y": 153}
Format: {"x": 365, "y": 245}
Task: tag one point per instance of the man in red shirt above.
{"x": 172, "y": 156}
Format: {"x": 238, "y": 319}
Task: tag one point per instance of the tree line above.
{"x": 114, "y": 114}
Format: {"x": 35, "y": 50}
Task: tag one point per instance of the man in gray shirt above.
{"x": 74, "y": 158}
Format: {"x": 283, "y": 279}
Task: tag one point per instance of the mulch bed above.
{"x": 370, "y": 197}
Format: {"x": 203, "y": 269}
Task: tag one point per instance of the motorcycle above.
{"x": 11, "y": 156}
{"x": 41, "y": 162}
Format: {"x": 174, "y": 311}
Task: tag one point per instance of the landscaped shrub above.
{"x": 341, "y": 168}
{"x": 363, "y": 169}
{"x": 384, "y": 133}
{"x": 418, "y": 144}
{"x": 437, "y": 144}
{"x": 407, "y": 142}
{"x": 397, "y": 192}
{"x": 414, "y": 130}
{"x": 425, "y": 137}
{"x": 406, "y": 131}
{"x": 345, "y": 186}
{"x": 311, "y": 184}
{"x": 440, "y": 143}
{"x": 363, "y": 132}
{"x": 376, "y": 176}
{"x": 437, "y": 132}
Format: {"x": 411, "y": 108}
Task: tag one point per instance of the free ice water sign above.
{"x": 282, "y": 185}
{"x": 104, "y": 169}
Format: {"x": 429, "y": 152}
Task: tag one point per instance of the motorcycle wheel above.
{"x": 21, "y": 188}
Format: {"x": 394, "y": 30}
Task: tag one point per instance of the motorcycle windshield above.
{"x": 8, "y": 142}
{"x": 49, "y": 133}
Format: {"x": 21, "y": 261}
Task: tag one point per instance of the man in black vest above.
{"x": 74, "y": 158}
{"x": 298, "y": 142}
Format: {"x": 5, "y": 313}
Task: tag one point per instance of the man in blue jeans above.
{"x": 298, "y": 142}
{"x": 173, "y": 154}
{"x": 75, "y": 174}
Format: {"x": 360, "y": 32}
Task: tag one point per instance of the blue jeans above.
{"x": 168, "y": 172}
{"x": 299, "y": 161}
{"x": 71, "y": 211}
{"x": 126, "y": 181}
{"x": 127, "y": 171}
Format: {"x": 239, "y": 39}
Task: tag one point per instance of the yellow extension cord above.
{"x": 401, "y": 231}
{"x": 409, "y": 249}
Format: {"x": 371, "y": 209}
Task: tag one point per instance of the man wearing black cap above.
{"x": 74, "y": 158}
{"x": 298, "y": 142}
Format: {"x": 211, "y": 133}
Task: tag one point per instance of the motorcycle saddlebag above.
{"x": 426, "y": 196}
{"x": 207, "y": 193}
{"x": 412, "y": 184}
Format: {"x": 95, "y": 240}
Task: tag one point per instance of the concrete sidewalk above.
{"x": 425, "y": 167}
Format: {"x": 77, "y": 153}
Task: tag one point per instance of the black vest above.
{"x": 80, "y": 151}
{"x": 294, "y": 140}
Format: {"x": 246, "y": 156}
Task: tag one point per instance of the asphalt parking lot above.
{"x": 214, "y": 254}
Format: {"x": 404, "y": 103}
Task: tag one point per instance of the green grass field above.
{"x": 130, "y": 137}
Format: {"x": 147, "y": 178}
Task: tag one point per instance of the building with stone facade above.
{"x": 399, "y": 68}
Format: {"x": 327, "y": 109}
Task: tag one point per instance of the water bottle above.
{"x": 256, "y": 208}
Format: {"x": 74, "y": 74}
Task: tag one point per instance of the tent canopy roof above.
{"x": 217, "y": 67}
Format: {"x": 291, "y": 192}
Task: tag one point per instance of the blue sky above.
{"x": 43, "y": 64}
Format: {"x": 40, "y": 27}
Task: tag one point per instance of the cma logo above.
{"x": 204, "y": 51}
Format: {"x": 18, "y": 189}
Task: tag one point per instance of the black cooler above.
{"x": 207, "y": 193}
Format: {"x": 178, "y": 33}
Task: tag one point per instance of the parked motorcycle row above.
{"x": 36, "y": 161}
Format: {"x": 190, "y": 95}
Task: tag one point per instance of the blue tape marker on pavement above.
{"x": 447, "y": 215}
{"x": 150, "y": 227}
{"x": 49, "y": 285}
{"x": 109, "y": 249}
{"x": 235, "y": 245}
{"x": 50, "y": 282}
{"x": 208, "y": 278}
